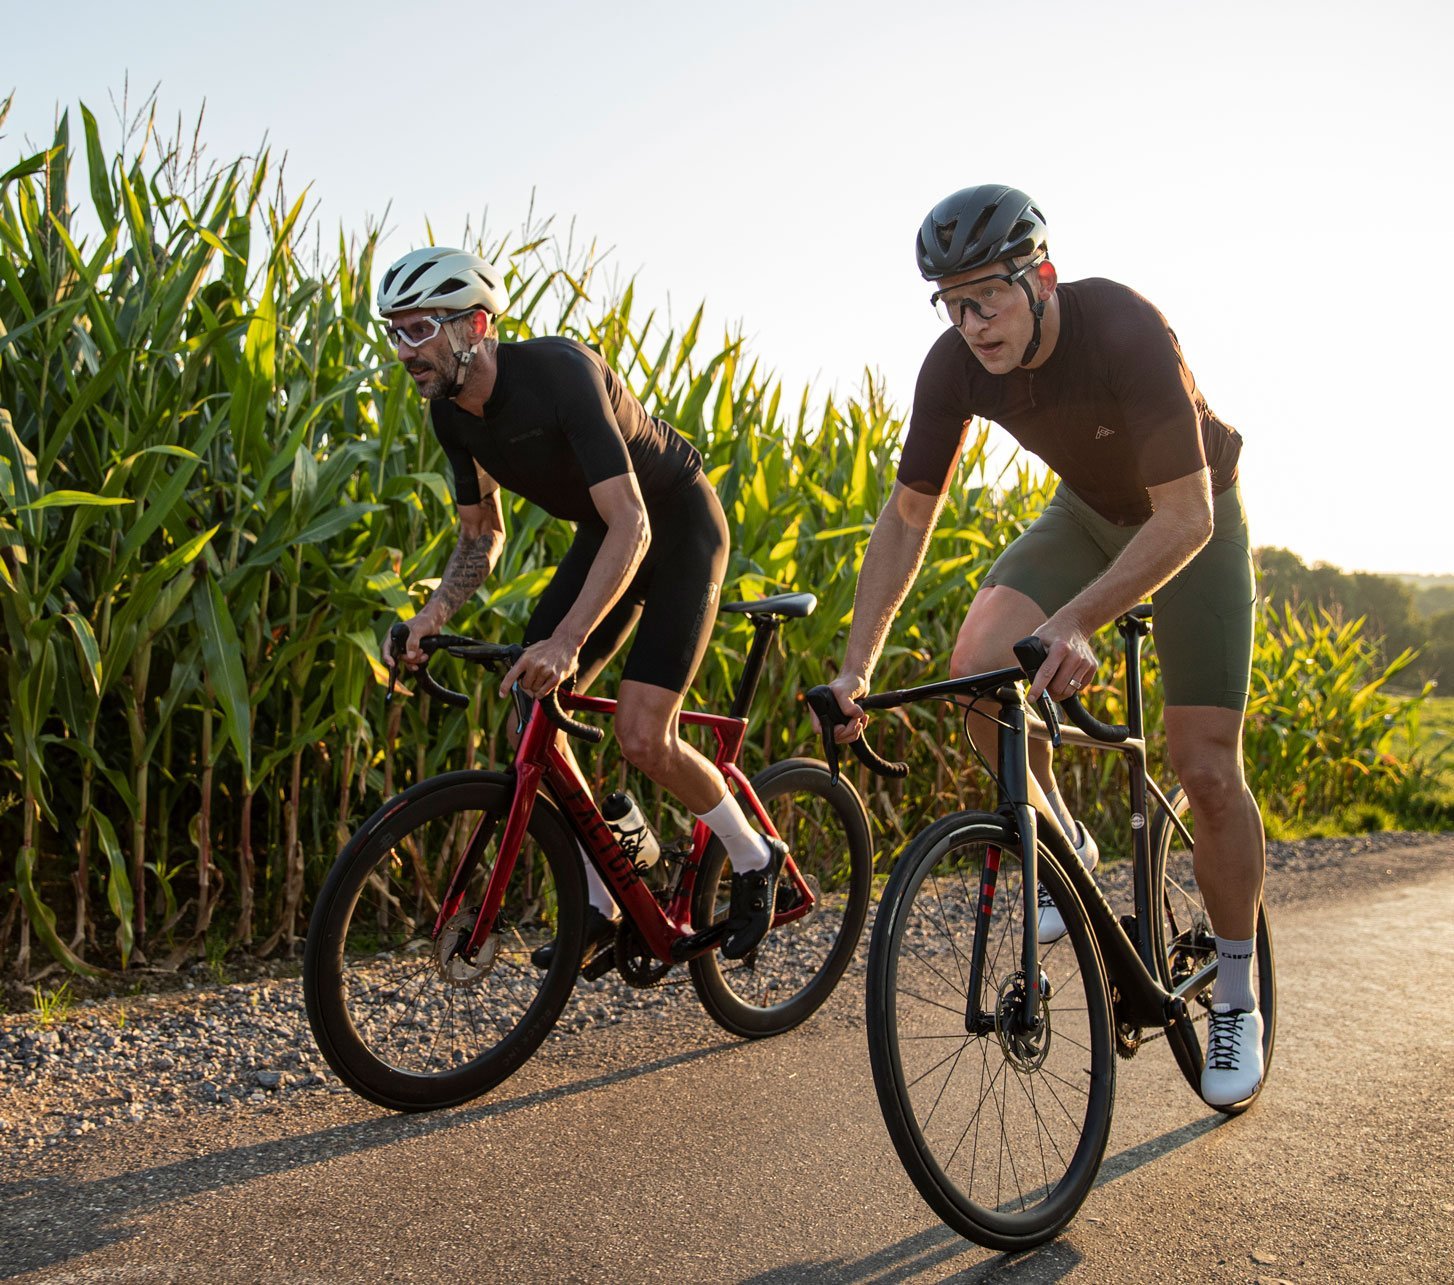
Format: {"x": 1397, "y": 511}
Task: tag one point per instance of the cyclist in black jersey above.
{"x": 549, "y": 419}
{"x": 1088, "y": 376}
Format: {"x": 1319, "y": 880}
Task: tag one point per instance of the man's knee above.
{"x": 997, "y": 619}
{"x": 645, "y": 746}
{"x": 1213, "y": 784}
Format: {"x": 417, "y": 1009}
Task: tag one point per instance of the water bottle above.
{"x": 630, "y": 829}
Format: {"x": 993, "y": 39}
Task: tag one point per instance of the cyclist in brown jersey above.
{"x": 1089, "y": 377}
{"x": 551, "y": 420}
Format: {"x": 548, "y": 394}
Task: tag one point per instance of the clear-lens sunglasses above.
{"x": 418, "y": 333}
{"x": 983, "y": 296}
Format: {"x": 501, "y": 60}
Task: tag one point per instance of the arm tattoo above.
{"x": 468, "y": 565}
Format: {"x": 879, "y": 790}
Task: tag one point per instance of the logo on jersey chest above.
{"x": 1103, "y": 431}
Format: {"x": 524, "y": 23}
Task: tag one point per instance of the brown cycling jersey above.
{"x": 1113, "y": 410}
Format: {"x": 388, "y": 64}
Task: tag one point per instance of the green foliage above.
{"x": 51, "y": 1007}
{"x": 217, "y": 490}
{"x": 1389, "y": 606}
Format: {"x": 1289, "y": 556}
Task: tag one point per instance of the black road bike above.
{"x": 994, "y": 1056}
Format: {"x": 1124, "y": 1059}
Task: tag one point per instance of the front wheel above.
{"x": 784, "y": 979}
{"x": 1186, "y": 949}
{"x": 1001, "y": 1125}
{"x": 400, "y": 1011}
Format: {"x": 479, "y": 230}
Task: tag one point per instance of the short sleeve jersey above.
{"x": 558, "y": 422}
{"x": 1112, "y": 411}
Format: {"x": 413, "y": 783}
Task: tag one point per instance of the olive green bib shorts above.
{"x": 1202, "y": 626}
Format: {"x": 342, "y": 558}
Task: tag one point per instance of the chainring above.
{"x": 635, "y": 962}
{"x": 1128, "y": 1034}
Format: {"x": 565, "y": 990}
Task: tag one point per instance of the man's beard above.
{"x": 435, "y": 385}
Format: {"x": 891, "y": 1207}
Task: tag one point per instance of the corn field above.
{"x": 217, "y": 490}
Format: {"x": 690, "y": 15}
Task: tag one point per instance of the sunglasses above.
{"x": 979, "y": 296}
{"x": 418, "y": 333}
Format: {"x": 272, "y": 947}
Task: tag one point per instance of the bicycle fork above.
{"x": 1014, "y": 774}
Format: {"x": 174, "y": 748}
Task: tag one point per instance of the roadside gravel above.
{"x": 246, "y": 1047}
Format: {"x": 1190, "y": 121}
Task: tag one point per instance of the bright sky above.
{"x": 1266, "y": 173}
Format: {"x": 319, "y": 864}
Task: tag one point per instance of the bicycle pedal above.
{"x": 599, "y": 964}
{"x": 699, "y": 943}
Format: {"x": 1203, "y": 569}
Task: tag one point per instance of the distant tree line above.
{"x": 1418, "y": 617}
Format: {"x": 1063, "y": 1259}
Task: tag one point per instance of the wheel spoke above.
{"x": 1012, "y": 1131}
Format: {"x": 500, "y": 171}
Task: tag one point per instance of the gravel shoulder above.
{"x": 224, "y": 1053}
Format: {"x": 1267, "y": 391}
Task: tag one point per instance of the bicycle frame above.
{"x": 540, "y": 763}
{"x": 1131, "y": 967}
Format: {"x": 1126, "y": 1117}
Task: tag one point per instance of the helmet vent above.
{"x": 944, "y": 234}
{"x": 414, "y": 277}
{"x": 981, "y": 223}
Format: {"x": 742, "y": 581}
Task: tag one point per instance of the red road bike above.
{"x": 417, "y": 974}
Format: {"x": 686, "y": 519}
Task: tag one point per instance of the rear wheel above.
{"x": 401, "y": 1013}
{"x": 794, "y": 969}
{"x": 1001, "y": 1128}
{"x": 1186, "y": 949}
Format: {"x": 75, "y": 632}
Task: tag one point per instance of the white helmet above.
{"x": 438, "y": 277}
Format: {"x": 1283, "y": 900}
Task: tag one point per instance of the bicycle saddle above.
{"x": 783, "y": 604}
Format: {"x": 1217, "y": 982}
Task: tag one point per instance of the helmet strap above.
{"x": 462, "y": 359}
{"x": 1037, "y": 307}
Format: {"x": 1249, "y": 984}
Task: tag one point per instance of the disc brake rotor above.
{"x": 453, "y": 967}
{"x": 788, "y": 898}
{"x": 1025, "y": 1049}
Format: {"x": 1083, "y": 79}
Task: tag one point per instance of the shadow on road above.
{"x": 927, "y": 1250}
{"x": 51, "y": 1220}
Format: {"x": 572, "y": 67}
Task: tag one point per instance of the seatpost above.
{"x": 1135, "y": 715}
{"x": 765, "y": 626}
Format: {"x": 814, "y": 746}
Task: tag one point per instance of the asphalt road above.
{"x": 666, "y": 1151}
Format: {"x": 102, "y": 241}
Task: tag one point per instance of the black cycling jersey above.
{"x": 673, "y": 595}
{"x": 558, "y": 422}
{"x": 1112, "y": 411}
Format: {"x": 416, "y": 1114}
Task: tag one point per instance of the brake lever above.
{"x": 1051, "y": 715}
{"x": 822, "y": 703}
{"x": 398, "y": 643}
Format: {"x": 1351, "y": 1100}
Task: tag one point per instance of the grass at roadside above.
{"x": 1427, "y": 802}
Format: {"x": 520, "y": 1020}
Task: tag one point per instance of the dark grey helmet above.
{"x": 976, "y": 226}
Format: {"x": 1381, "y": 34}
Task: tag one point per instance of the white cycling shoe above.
{"x": 1050, "y": 926}
{"x": 1234, "y": 1056}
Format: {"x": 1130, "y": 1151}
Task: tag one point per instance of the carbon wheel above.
{"x": 1001, "y": 1128}
{"x": 796, "y": 966}
{"x": 400, "y": 1010}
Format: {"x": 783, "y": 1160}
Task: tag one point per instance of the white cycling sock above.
{"x": 1233, "y": 984}
{"x": 596, "y": 890}
{"x": 746, "y": 849}
{"x": 1062, "y": 813}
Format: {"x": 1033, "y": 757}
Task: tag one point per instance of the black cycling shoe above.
{"x": 600, "y": 933}
{"x": 753, "y": 894}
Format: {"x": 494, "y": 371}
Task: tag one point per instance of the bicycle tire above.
{"x": 402, "y": 1020}
{"x": 787, "y": 977}
{"x": 945, "y": 1092}
{"x": 1183, "y": 943}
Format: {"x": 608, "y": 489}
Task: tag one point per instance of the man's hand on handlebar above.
{"x": 419, "y": 627}
{"x": 543, "y": 667}
{"x": 845, "y": 688}
{"x": 1070, "y": 664}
